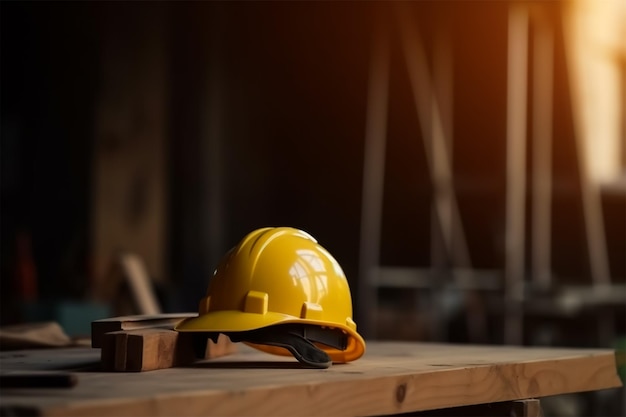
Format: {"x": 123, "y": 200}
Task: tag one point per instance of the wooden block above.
{"x": 100, "y": 327}
{"x": 107, "y": 353}
{"x": 121, "y": 351}
{"x": 223, "y": 347}
{"x": 529, "y": 408}
{"x": 155, "y": 348}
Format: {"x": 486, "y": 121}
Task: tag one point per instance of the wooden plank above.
{"x": 166, "y": 320}
{"x": 140, "y": 285}
{"x": 38, "y": 380}
{"x": 155, "y": 348}
{"x": 32, "y": 335}
{"x": 438, "y": 154}
{"x": 391, "y": 378}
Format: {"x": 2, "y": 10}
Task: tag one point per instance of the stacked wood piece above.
{"x": 149, "y": 342}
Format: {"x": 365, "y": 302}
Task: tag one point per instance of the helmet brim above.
{"x": 225, "y": 321}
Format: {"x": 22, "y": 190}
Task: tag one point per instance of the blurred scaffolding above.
{"x": 591, "y": 35}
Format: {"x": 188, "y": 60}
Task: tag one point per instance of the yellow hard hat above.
{"x": 281, "y": 292}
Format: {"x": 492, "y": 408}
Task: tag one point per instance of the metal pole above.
{"x": 373, "y": 179}
{"x": 543, "y": 48}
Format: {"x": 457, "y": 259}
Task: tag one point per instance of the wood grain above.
{"x": 391, "y": 378}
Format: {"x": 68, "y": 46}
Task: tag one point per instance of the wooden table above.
{"x": 391, "y": 378}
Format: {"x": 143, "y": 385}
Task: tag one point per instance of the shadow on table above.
{"x": 222, "y": 364}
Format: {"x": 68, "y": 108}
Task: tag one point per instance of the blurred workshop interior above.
{"x": 464, "y": 161}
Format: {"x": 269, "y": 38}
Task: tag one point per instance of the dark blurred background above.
{"x": 169, "y": 130}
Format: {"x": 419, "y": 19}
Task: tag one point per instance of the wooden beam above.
{"x": 114, "y": 324}
{"x": 543, "y": 92}
{"x": 434, "y": 132}
{"x": 373, "y": 176}
{"x": 516, "y": 170}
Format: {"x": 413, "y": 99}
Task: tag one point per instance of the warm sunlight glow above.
{"x": 596, "y": 42}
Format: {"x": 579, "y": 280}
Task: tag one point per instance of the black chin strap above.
{"x": 301, "y": 348}
{"x": 298, "y": 339}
